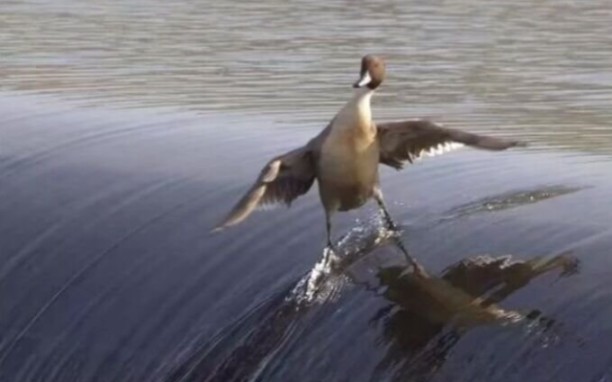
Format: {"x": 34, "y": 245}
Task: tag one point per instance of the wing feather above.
{"x": 281, "y": 181}
{"x": 407, "y": 141}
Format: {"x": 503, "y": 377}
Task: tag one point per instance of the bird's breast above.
{"x": 347, "y": 170}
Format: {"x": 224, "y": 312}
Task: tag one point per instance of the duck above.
{"x": 345, "y": 157}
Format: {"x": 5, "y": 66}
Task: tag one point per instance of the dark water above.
{"x": 109, "y": 273}
{"x": 128, "y": 129}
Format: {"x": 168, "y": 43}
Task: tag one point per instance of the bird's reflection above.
{"x": 428, "y": 314}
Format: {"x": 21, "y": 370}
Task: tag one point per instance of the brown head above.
{"x": 372, "y": 72}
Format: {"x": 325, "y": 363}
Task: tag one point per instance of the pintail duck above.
{"x": 345, "y": 156}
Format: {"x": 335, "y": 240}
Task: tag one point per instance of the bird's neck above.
{"x": 356, "y": 113}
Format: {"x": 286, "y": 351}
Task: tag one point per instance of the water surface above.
{"x": 127, "y": 129}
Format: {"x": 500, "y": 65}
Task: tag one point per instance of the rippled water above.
{"x": 128, "y": 128}
{"x": 523, "y": 67}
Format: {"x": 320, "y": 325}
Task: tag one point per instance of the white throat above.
{"x": 362, "y": 98}
{"x": 356, "y": 113}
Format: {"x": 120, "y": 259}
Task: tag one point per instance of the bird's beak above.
{"x": 363, "y": 81}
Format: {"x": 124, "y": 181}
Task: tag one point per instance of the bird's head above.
{"x": 372, "y": 72}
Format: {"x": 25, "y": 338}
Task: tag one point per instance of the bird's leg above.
{"x": 329, "y": 249}
{"x": 328, "y": 229}
{"x": 383, "y": 210}
{"x": 391, "y": 225}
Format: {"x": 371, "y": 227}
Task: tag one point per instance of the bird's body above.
{"x": 347, "y": 162}
{"x": 344, "y": 158}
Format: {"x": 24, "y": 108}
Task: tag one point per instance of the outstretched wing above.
{"x": 282, "y": 180}
{"x": 409, "y": 140}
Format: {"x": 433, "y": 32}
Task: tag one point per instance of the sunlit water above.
{"x": 127, "y": 129}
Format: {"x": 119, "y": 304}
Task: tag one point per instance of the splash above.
{"x": 326, "y": 278}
